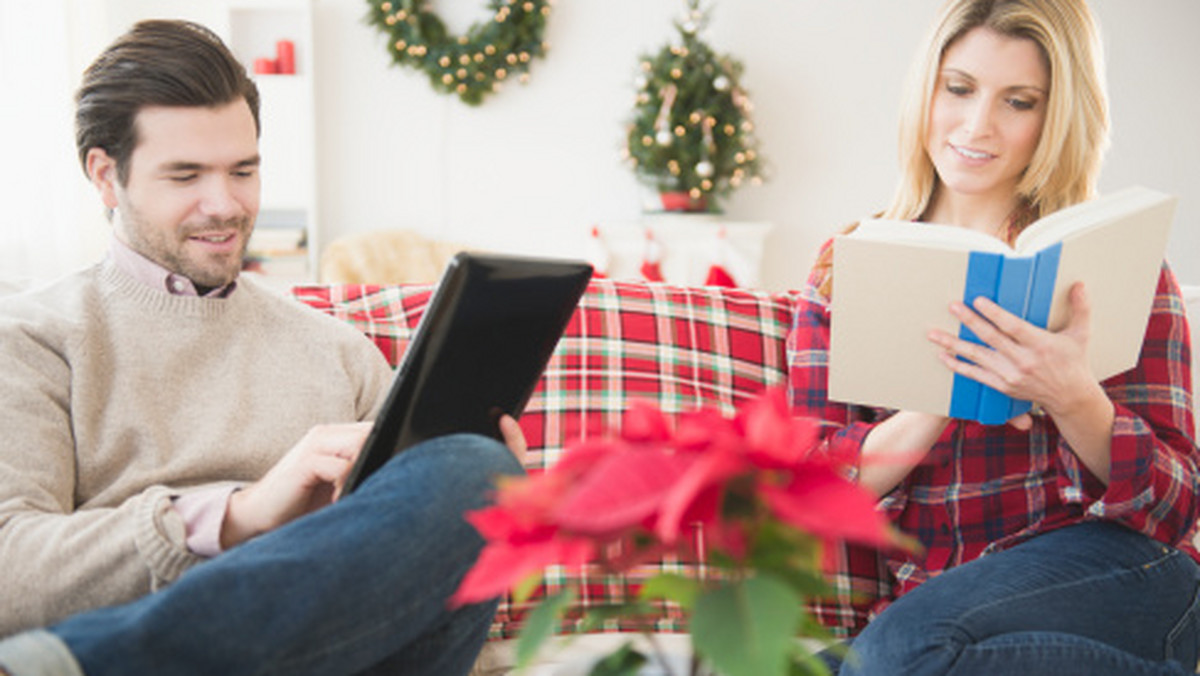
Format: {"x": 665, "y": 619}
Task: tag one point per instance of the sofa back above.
{"x": 676, "y": 347}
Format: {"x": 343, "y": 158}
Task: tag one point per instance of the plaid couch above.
{"x": 677, "y": 347}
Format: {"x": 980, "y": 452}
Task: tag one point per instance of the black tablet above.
{"x": 477, "y": 353}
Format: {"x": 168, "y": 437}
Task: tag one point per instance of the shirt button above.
{"x": 177, "y": 285}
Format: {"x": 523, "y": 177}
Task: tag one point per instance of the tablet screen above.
{"x": 492, "y": 323}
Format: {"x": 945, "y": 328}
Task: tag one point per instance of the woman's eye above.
{"x": 958, "y": 89}
{"x": 1022, "y": 104}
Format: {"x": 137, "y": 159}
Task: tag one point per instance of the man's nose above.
{"x": 220, "y": 199}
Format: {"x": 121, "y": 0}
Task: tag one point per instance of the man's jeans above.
{"x": 1093, "y": 599}
{"x": 358, "y": 587}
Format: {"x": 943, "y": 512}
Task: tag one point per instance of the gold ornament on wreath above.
{"x": 472, "y": 65}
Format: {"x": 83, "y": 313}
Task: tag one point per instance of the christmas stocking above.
{"x": 597, "y": 254}
{"x": 727, "y": 266}
{"x": 652, "y": 259}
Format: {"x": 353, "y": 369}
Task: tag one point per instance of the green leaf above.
{"x": 807, "y": 664}
{"x": 811, "y": 628}
{"x": 540, "y": 625}
{"x": 525, "y": 588}
{"x": 624, "y": 661}
{"x": 596, "y": 617}
{"x": 747, "y": 627}
{"x": 672, "y": 587}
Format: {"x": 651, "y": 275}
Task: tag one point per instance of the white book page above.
{"x": 1085, "y": 217}
{"x": 929, "y": 234}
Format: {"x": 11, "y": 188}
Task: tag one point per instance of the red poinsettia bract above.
{"x": 655, "y": 485}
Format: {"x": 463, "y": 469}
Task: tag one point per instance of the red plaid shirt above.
{"x": 982, "y": 489}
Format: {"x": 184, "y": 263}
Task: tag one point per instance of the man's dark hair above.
{"x": 156, "y": 63}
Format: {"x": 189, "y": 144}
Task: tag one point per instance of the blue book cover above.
{"x": 893, "y": 282}
{"x": 983, "y": 277}
{"x": 1012, "y": 292}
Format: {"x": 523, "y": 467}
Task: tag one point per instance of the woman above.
{"x": 1060, "y": 542}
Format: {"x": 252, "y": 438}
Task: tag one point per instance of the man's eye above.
{"x": 182, "y": 178}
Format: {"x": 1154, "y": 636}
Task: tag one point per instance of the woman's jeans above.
{"x": 357, "y": 587}
{"x": 1093, "y": 599}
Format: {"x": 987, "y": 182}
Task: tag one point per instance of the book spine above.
{"x": 1012, "y": 294}
{"x": 1041, "y": 291}
{"x": 983, "y": 275}
{"x": 1037, "y": 305}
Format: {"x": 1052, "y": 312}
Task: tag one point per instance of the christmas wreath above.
{"x": 471, "y": 65}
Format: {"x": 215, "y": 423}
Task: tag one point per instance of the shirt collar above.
{"x": 155, "y": 276}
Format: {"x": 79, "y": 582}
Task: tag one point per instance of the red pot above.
{"x": 681, "y": 201}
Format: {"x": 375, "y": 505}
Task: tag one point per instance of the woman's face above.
{"x": 986, "y": 114}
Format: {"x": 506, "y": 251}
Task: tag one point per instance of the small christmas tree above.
{"x": 691, "y": 131}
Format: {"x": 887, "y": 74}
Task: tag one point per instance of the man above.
{"x": 176, "y": 436}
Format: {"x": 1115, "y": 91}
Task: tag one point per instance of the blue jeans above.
{"x": 359, "y": 587}
{"x": 1092, "y": 599}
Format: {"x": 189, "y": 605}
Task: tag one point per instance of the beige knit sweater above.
{"x": 115, "y": 397}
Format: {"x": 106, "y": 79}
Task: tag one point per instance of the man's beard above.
{"x": 170, "y": 249}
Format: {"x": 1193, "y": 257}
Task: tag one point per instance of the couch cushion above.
{"x": 677, "y": 347}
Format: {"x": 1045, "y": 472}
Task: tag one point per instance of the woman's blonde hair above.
{"x": 1066, "y": 164}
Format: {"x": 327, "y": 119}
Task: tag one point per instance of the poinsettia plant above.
{"x": 754, "y": 484}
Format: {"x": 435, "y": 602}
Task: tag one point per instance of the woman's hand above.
{"x": 1049, "y": 368}
{"x": 1022, "y": 360}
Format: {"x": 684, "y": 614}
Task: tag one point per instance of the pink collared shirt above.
{"x": 156, "y": 276}
{"x": 202, "y": 511}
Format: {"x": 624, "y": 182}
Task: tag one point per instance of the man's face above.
{"x": 191, "y": 195}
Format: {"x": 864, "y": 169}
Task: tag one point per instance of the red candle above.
{"x": 266, "y": 66}
{"x": 285, "y": 56}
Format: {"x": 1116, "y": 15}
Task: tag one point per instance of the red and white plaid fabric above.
{"x": 679, "y": 348}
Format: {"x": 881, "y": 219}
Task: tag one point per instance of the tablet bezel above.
{"x": 470, "y": 278}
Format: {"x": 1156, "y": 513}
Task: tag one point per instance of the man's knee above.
{"x": 473, "y": 456}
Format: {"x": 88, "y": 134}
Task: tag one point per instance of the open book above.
{"x": 893, "y": 281}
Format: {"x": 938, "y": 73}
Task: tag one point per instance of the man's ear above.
{"x": 102, "y": 170}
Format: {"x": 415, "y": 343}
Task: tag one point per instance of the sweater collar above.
{"x": 151, "y": 274}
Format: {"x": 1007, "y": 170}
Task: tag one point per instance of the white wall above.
{"x": 532, "y": 167}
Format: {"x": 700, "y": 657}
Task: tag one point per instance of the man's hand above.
{"x": 514, "y": 437}
{"x": 309, "y": 477}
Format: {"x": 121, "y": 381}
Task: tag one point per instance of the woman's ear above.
{"x": 102, "y": 170}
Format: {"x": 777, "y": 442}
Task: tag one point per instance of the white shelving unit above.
{"x": 252, "y": 29}
{"x": 287, "y": 240}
